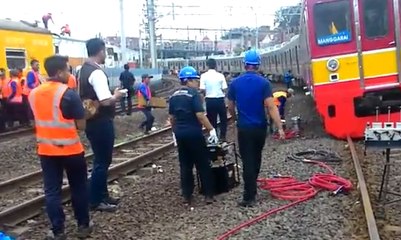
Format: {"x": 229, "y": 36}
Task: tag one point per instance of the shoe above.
{"x": 58, "y": 236}
{"x": 84, "y": 231}
{"x": 112, "y": 201}
{"x": 146, "y": 132}
{"x": 247, "y": 203}
{"x": 187, "y": 201}
{"x": 209, "y": 200}
{"x": 105, "y": 207}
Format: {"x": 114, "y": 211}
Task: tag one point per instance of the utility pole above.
{"x": 140, "y": 48}
{"x": 152, "y": 31}
{"x": 122, "y": 31}
{"x": 257, "y": 32}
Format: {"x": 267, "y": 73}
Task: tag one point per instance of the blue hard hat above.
{"x": 188, "y": 72}
{"x": 252, "y": 57}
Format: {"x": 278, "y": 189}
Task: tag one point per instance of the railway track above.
{"x": 364, "y": 194}
{"x": 128, "y": 157}
{"x": 21, "y": 132}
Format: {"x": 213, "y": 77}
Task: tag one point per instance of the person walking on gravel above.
{"x": 187, "y": 117}
{"x": 213, "y": 85}
{"x": 58, "y": 112}
{"x": 94, "y": 90}
{"x": 145, "y": 93}
{"x": 251, "y": 93}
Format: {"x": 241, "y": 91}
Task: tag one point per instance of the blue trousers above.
{"x": 75, "y": 166}
{"x": 100, "y": 133}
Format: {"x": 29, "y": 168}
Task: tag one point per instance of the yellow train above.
{"x": 22, "y": 42}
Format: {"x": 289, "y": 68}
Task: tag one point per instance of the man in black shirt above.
{"x": 127, "y": 80}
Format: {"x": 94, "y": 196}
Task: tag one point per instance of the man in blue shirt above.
{"x": 288, "y": 78}
{"x": 144, "y": 92}
{"x": 187, "y": 117}
{"x": 127, "y": 80}
{"x": 251, "y": 93}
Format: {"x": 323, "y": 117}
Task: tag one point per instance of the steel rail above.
{"x": 22, "y": 132}
{"x": 12, "y": 216}
{"x": 34, "y": 177}
{"x": 367, "y": 206}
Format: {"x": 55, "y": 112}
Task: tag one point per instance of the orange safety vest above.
{"x": 3, "y": 90}
{"x": 278, "y": 94}
{"x": 139, "y": 95}
{"x": 18, "y": 94}
{"x": 55, "y": 135}
{"x": 26, "y": 90}
{"x": 72, "y": 82}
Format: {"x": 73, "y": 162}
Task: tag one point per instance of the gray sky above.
{"x": 105, "y": 17}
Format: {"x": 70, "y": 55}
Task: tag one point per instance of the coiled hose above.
{"x": 289, "y": 188}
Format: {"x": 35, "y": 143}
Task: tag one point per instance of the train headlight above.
{"x": 333, "y": 64}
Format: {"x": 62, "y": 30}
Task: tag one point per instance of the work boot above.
{"x": 105, "y": 207}
{"x": 112, "y": 201}
{"x": 209, "y": 200}
{"x": 58, "y": 236}
{"x": 247, "y": 203}
{"x": 85, "y": 231}
{"x": 187, "y": 201}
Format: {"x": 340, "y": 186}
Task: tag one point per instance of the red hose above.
{"x": 288, "y": 188}
{"x": 288, "y": 134}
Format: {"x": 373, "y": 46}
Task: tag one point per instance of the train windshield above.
{"x": 375, "y": 14}
{"x": 332, "y": 23}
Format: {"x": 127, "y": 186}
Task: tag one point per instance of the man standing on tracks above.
{"x": 145, "y": 93}
{"x": 187, "y": 117}
{"x": 288, "y": 77}
{"x": 94, "y": 88}
{"x": 32, "y": 81}
{"x": 250, "y": 93}
{"x": 58, "y": 112}
{"x": 213, "y": 85}
{"x": 127, "y": 80}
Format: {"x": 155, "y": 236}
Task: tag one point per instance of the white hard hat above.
{"x": 290, "y": 90}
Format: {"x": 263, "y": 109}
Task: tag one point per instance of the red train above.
{"x": 347, "y": 53}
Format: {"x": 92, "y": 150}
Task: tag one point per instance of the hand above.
{"x": 147, "y": 103}
{"x": 213, "y": 139}
{"x": 118, "y": 94}
{"x": 281, "y": 134}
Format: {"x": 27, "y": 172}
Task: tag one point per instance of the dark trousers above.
{"x": 100, "y": 133}
{"x": 27, "y": 112}
{"x": 289, "y": 84}
{"x": 251, "y": 142}
{"x": 76, "y": 169}
{"x": 45, "y": 22}
{"x": 149, "y": 118}
{"x": 192, "y": 151}
{"x": 217, "y": 107}
{"x": 3, "y": 115}
{"x": 15, "y": 112}
{"x": 129, "y": 103}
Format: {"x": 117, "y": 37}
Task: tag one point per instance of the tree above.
{"x": 288, "y": 17}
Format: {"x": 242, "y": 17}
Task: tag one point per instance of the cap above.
{"x": 146, "y": 76}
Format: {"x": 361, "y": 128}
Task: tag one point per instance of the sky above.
{"x": 89, "y": 17}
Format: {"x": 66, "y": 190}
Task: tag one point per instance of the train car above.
{"x": 20, "y": 43}
{"x": 351, "y": 59}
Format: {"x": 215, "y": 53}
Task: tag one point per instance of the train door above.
{"x": 379, "y": 43}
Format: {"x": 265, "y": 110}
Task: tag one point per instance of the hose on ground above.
{"x": 315, "y": 155}
{"x": 289, "y": 188}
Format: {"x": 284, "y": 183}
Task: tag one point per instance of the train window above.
{"x": 375, "y": 14}
{"x": 332, "y": 22}
{"x": 16, "y": 58}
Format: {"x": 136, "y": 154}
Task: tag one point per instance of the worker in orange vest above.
{"x": 14, "y": 101}
{"x": 2, "y": 102}
{"x": 32, "y": 81}
{"x": 66, "y": 30}
{"x": 58, "y": 112}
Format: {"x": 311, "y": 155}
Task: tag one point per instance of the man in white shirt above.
{"x": 94, "y": 85}
{"x": 214, "y": 85}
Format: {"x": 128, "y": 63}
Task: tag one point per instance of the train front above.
{"x": 352, "y": 46}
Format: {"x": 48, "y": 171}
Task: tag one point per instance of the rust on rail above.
{"x": 367, "y": 206}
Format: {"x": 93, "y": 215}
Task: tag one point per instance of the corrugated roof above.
{"x": 6, "y": 24}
